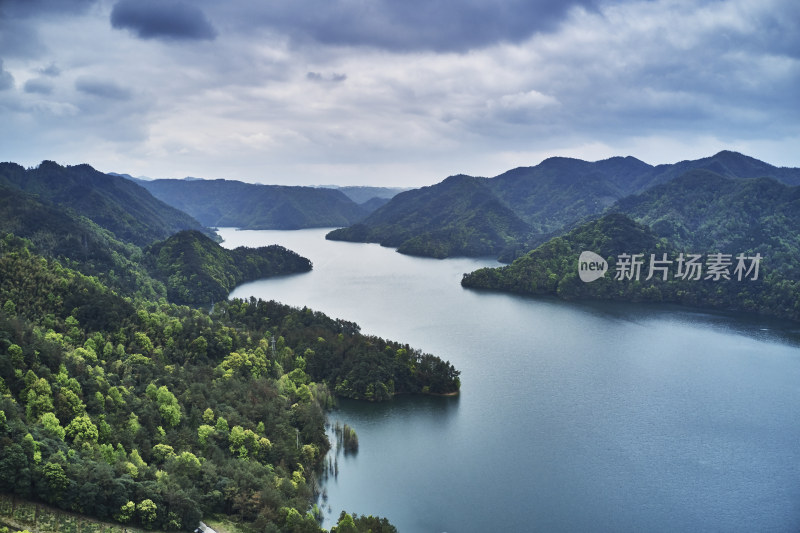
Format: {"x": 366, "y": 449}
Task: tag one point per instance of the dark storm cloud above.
{"x": 6, "y": 79}
{"x": 102, "y": 88}
{"x": 442, "y": 25}
{"x": 19, "y": 35}
{"x": 159, "y": 19}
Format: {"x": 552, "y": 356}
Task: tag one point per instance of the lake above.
{"x": 572, "y": 416}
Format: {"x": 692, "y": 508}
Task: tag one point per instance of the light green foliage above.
{"x": 52, "y": 426}
{"x": 15, "y": 352}
{"x": 151, "y": 391}
{"x": 168, "y": 406}
{"x": 83, "y": 354}
{"x": 126, "y": 512}
{"x": 204, "y": 431}
{"x": 222, "y": 426}
{"x": 142, "y": 343}
{"x": 136, "y": 459}
{"x": 116, "y": 397}
{"x": 133, "y": 425}
{"x": 146, "y": 510}
{"x": 208, "y": 416}
{"x": 187, "y": 463}
{"x": 82, "y": 429}
{"x": 162, "y": 452}
{"x": 345, "y": 524}
{"x": 40, "y": 399}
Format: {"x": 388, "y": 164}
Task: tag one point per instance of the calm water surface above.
{"x": 572, "y": 417}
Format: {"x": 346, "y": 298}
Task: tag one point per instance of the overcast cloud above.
{"x": 393, "y": 93}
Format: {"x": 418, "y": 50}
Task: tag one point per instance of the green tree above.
{"x": 168, "y": 406}
{"x": 52, "y": 425}
{"x": 126, "y": 512}
{"x": 203, "y": 433}
{"x": 345, "y": 524}
{"x": 146, "y": 509}
{"x": 55, "y": 479}
{"x": 82, "y": 429}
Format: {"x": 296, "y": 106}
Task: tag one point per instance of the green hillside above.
{"x": 112, "y": 202}
{"x": 458, "y": 216}
{"x": 197, "y": 270}
{"x": 225, "y": 203}
{"x": 545, "y": 200}
{"x": 700, "y": 213}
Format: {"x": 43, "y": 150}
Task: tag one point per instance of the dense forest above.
{"x": 458, "y": 216}
{"x": 118, "y": 402}
{"x": 669, "y": 270}
{"x": 197, "y": 270}
{"x": 524, "y": 207}
{"x": 114, "y": 203}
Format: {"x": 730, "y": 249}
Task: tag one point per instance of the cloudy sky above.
{"x": 391, "y": 92}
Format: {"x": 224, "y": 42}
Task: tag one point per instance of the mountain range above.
{"x": 113, "y": 202}
{"x": 227, "y": 203}
{"x": 526, "y": 206}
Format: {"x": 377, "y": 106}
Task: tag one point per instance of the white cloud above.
{"x": 661, "y": 80}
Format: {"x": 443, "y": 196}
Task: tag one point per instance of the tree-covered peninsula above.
{"x": 196, "y": 270}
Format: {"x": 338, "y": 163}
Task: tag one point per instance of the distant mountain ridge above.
{"x": 699, "y": 212}
{"x": 112, "y": 202}
{"x": 227, "y": 203}
{"x": 459, "y": 216}
{"x": 549, "y": 198}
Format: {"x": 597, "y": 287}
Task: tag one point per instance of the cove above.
{"x": 572, "y": 416}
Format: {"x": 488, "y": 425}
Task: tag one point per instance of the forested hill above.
{"x": 77, "y": 242}
{"x": 112, "y": 202}
{"x": 549, "y": 198}
{"x": 226, "y": 203}
{"x": 700, "y": 213}
{"x": 197, "y": 270}
{"x": 120, "y": 404}
{"x": 152, "y": 414}
{"x": 459, "y": 216}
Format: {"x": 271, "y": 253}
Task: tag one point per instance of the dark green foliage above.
{"x": 552, "y": 268}
{"x": 458, "y": 216}
{"x": 221, "y": 203}
{"x": 153, "y": 414}
{"x": 334, "y": 351}
{"x": 702, "y": 210}
{"x": 524, "y": 207}
{"x": 76, "y": 241}
{"x": 197, "y": 270}
{"x": 114, "y": 203}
